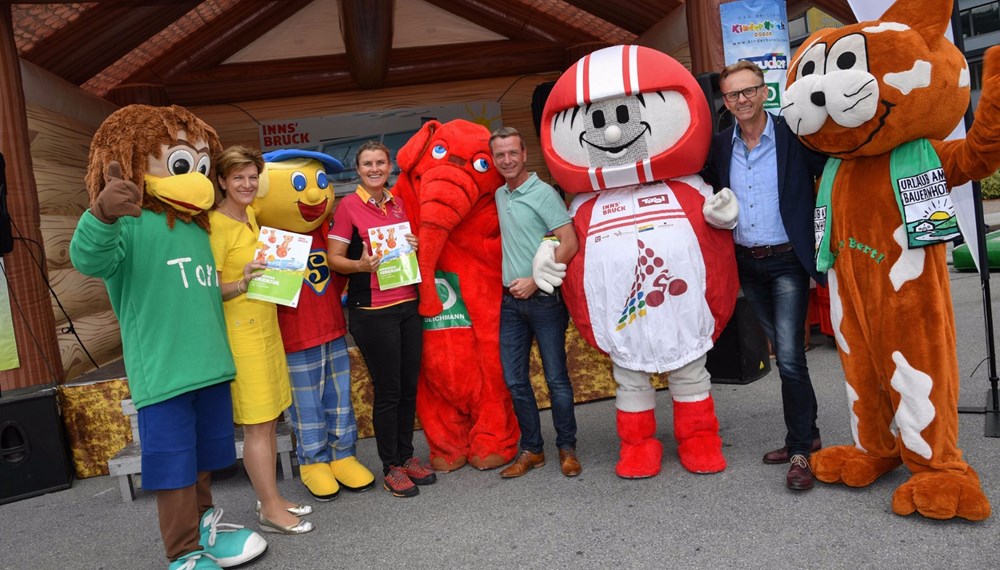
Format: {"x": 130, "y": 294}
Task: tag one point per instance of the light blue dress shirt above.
{"x": 754, "y": 179}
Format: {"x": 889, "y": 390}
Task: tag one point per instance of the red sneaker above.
{"x": 399, "y": 484}
{"x": 418, "y": 473}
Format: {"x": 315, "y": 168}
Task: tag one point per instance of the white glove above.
{"x": 721, "y": 210}
{"x": 546, "y": 273}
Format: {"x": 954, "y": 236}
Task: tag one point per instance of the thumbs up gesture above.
{"x": 118, "y": 198}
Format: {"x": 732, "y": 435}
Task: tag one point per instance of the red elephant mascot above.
{"x": 879, "y": 97}
{"x": 447, "y": 184}
{"x": 627, "y": 128}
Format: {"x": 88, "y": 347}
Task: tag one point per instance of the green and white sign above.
{"x": 455, "y": 314}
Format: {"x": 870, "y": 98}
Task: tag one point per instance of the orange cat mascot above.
{"x": 879, "y": 97}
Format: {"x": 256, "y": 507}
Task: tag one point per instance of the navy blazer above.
{"x": 798, "y": 168}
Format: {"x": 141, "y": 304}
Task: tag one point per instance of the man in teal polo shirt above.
{"x": 529, "y": 209}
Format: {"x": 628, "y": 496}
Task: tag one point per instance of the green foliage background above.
{"x": 991, "y": 186}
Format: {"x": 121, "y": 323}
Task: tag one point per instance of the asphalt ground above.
{"x": 743, "y": 517}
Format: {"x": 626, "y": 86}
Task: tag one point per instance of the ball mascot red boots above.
{"x": 627, "y": 129}
{"x": 879, "y": 97}
{"x": 447, "y": 184}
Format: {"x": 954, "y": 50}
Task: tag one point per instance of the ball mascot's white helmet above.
{"x": 624, "y": 115}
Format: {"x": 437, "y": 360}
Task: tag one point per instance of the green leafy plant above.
{"x": 991, "y": 186}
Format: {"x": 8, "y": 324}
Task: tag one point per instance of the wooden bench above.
{"x": 126, "y": 465}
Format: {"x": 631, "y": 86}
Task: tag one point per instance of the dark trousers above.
{"x": 777, "y": 288}
{"x": 391, "y": 340}
{"x": 542, "y": 318}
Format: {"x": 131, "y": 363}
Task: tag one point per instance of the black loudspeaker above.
{"x": 741, "y": 354}
{"x": 6, "y": 237}
{"x": 538, "y": 98}
{"x": 721, "y": 117}
{"x": 34, "y": 457}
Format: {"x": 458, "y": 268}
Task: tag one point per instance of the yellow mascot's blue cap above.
{"x": 330, "y": 165}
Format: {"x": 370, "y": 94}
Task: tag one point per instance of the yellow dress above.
{"x": 261, "y": 391}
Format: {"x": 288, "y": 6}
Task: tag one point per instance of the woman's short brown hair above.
{"x": 233, "y": 158}
{"x": 372, "y": 145}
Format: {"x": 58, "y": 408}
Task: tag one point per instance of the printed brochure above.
{"x": 398, "y": 265}
{"x": 286, "y": 254}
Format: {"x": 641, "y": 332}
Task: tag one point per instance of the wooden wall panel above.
{"x": 59, "y": 149}
{"x": 235, "y": 125}
{"x": 82, "y": 296}
{"x": 103, "y": 340}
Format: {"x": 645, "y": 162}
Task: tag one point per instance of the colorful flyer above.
{"x": 398, "y": 265}
{"x": 286, "y": 254}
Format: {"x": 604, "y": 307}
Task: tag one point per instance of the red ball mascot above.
{"x": 653, "y": 284}
{"x": 879, "y": 97}
{"x": 447, "y": 184}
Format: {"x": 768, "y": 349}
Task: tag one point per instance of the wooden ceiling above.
{"x": 195, "y": 52}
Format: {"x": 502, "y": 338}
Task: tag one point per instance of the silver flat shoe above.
{"x": 297, "y": 510}
{"x": 267, "y": 526}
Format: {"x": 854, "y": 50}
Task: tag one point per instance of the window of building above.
{"x": 976, "y": 74}
{"x": 980, "y": 20}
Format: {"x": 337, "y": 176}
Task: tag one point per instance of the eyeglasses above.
{"x": 749, "y": 92}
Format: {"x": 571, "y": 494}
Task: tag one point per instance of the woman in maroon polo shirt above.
{"x": 385, "y": 324}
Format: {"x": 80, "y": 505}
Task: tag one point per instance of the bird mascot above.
{"x": 627, "y": 129}
{"x": 146, "y": 236}
{"x": 879, "y": 97}
{"x": 447, "y": 182}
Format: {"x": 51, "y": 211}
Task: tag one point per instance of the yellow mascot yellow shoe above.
{"x": 352, "y": 474}
{"x": 319, "y": 481}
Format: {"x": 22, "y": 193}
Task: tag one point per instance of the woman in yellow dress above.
{"x": 261, "y": 391}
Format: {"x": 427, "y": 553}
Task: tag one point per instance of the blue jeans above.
{"x": 777, "y": 288}
{"x": 545, "y": 319}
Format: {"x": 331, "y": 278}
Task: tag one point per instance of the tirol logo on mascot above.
{"x": 654, "y": 282}
{"x": 296, "y": 195}
{"x": 879, "y": 97}
{"x": 447, "y": 182}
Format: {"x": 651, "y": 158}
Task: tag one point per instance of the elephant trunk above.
{"x": 445, "y": 198}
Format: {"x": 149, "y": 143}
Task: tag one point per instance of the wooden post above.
{"x": 31, "y": 305}
{"x": 706, "y": 41}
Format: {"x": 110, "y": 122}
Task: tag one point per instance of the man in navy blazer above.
{"x": 773, "y": 177}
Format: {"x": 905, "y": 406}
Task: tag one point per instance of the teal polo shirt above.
{"x": 527, "y": 213}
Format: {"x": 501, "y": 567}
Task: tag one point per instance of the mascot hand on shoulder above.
{"x": 447, "y": 184}
{"x": 629, "y": 128}
{"x": 879, "y": 97}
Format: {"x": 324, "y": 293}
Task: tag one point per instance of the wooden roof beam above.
{"x": 329, "y": 74}
{"x": 221, "y": 38}
{"x": 102, "y": 35}
{"x": 635, "y": 16}
{"x": 366, "y": 26}
{"x": 839, "y": 9}
{"x": 514, "y": 20}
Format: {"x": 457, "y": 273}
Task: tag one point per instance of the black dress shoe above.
{"x": 781, "y": 455}
{"x": 800, "y": 475}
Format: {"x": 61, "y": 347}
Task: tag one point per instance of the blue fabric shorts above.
{"x": 186, "y": 434}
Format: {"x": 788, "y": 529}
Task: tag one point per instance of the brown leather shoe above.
{"x": 781, "y": 455}
{"x": 800, "y": 475}
{"x": 526, "y": 461}
{"x": 569, "y": 463}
